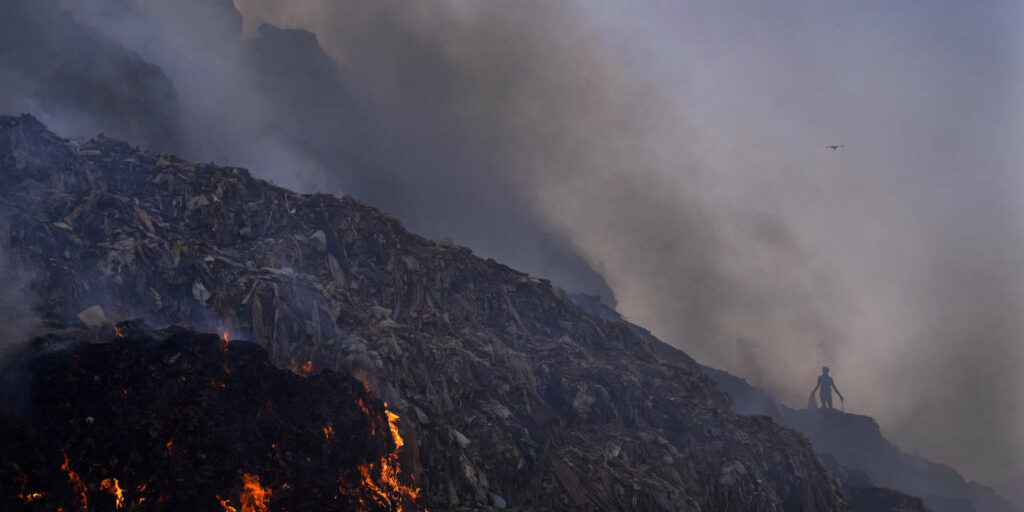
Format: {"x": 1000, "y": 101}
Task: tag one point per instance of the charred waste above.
{"x": 509, "y": 394}
{"x": 124, "y": 418}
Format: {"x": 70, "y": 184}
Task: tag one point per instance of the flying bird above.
{"x": 833, "y": 148}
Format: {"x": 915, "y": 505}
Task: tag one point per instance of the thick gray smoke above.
{"x": 385, "y": 126}
{"x": 692, "y": 172}
{"x": 678, "y": 149}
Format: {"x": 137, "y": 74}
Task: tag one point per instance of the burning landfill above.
{"x": 500, "y": 391}
{"x": 175, "y": 420}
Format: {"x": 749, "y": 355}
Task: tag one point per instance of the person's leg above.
{"x": 826, "y": 400}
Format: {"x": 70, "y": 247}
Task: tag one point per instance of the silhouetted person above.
{"x": 825, "y": 387}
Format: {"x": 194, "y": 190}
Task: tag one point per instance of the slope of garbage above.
{"x": 509, "y": 394}
{"x": 852, "y": 446}
{"x": 857, "y": 443}
{"x": 123, "y": 417}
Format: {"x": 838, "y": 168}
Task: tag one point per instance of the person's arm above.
{"x": 837, "y": 390}
{"x": 816, "y": 386}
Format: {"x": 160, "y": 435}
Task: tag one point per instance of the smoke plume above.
{"x": 675, "y": 151}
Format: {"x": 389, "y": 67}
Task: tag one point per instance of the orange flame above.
{"x": 393, "y": 424}
{"x": 170, "y": 448}
{"x": 254, "y": 498}
{"x": 304, "y": 369}
{"x": 25, "y": 495}
{"x": 141, "y": 488}
{"x": 30, "y": 497}
{"x": 391, "y": 492}
{"x": 328, "y": 432}
{"x": 225, "y": 341}
{"x": 117, "y": 330}
{"x": 76, "y": 482}
{"x": 110, "y": 485}
{"x": 226, "y": 505}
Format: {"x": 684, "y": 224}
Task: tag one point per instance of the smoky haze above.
{"x": 675, "y": 151}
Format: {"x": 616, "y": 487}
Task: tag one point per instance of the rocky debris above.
{"x": 93, "y": 316}
{"x": 852, "y": 446}
{"x": 865, "y": 496}
{"x": 874, "y": 499}
{"x": 174, "y": 420}
{"x": 746, "y": 399}
{"x": 856, "y": 442}
{"x": 554, "y": 409}
{"x": 592, "y": 304}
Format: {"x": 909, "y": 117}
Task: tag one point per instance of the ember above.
{"x": 30, "y": 497}
{"x": 76, "y": 483}
{"x": 225, "y": 340}
{"x": 303, "y": 369}
{"x": 24, "y": 494}
{"x": 226, "y": 505}
{"x": 111, "y": 485}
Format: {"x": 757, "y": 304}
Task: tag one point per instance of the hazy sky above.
{"x": 898, "y": 260}
{"x": 678, "y": 148}
{"x": 908, "y": 243}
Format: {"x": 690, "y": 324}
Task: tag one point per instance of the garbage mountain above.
{"x": 510, "y": 395}
{"x": 852, "y": 446}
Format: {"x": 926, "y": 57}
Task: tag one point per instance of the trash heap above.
{"x": 124, "y": 418}
{"x": 858, "y": 487}
{"x": 510, "y": 395}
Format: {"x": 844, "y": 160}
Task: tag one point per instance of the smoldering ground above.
{"x": 678, "y": 149}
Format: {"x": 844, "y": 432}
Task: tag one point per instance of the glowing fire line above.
{"x": 111, "y": 485}
{"x": 390, "y": 492}
{"x": 25, "y": 495}
{"x": 76, "y": 482}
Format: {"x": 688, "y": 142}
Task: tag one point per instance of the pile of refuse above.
{"x": 128, "y": 418}
{"x": 509, "y": 394}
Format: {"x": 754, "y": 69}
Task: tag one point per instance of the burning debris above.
{"x": 174, "y": 442}
{"x": 254, "y": 497}
{"x": 509, "y": 394}
{"x": 302, "y": 369}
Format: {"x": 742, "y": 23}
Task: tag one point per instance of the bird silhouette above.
{"x": 833, "y": 148}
